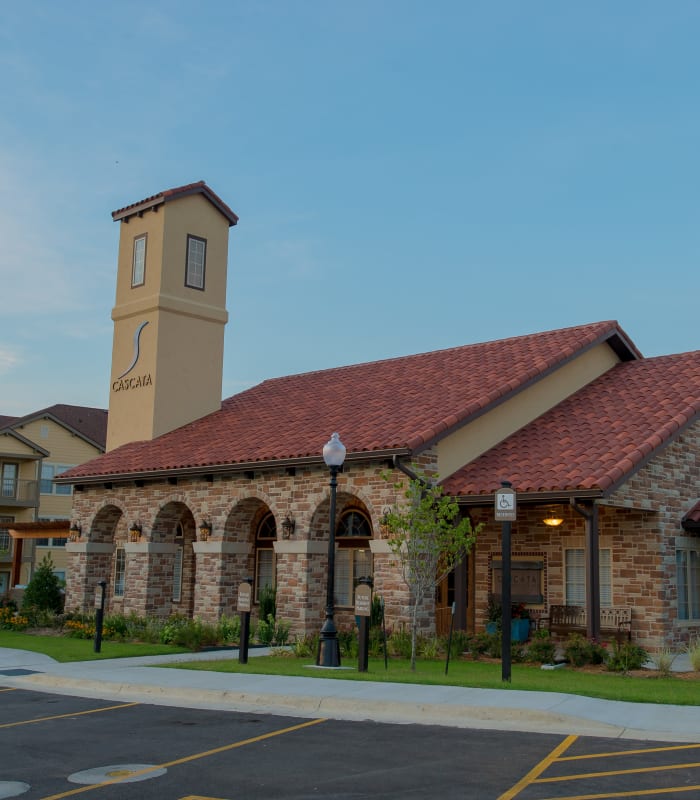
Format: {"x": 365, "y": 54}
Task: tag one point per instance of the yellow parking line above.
{"x": 64, "y": 716}
{"x": 638, "y": 771}
{"x": 184, "y": 760}
{"x": 631, "y": 793}
{"x": 538, "y": 769}
{"x": 8, "y": 690}
{"x": 640, "y": 751}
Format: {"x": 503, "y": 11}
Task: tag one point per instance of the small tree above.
{"x": 429, "y": 540}
{"x": 43, "y": 591}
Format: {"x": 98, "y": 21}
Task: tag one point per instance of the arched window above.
{"x": 353, "y": 559}
{"x": 265, "y": 554}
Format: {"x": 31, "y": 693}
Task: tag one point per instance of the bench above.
{"x": 614, "y": 621}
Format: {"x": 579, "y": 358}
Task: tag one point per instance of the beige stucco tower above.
{"x": 170, "y": 312}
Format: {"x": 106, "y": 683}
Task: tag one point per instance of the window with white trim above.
{"x": 688, "y": 582}
{"x": 138, "y": 266}
{"x": 353, "y": 558}
{"x": 5, "y": 539}
{"x": 265, "y": 554}
{"x": 575, "y": 576}
{"x": 119, "y": 571}
{"x": 48, "y": 473}
{"x": 196, "y": 262}
{"x": 177, "y": 574}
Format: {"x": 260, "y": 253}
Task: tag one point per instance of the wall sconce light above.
{"x": 135, "y": 532}
{"x": 288, "y": 525}
{"x": 204, "y": 530}
{"x": 383, "y": 522}
{"x": 74, "y": 531}
{"x": 552, "y": 519}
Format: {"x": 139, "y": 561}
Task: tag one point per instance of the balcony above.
{"x": 19, "y": 493}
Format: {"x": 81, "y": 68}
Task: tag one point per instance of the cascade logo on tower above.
{"x": 123, "y": 383}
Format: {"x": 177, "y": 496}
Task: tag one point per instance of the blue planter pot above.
{"x": 491, "y": 627}
{"x": 519, "y": 630}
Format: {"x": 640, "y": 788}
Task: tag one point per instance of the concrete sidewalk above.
{"x": 139, "y": 679}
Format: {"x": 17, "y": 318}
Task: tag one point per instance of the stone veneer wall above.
{"x": 233, "y": 505}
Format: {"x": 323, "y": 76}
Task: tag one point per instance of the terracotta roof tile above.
{"x": 199, "y": 187}
{"x": 397, "y": 405}
{"x": 597, "y": 437}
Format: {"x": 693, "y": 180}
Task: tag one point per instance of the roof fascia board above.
{"x": 226, "y": 469}
{"x": 620, "y": 347}
{"x": 69, "y": 428}
{"x": 531, "y": 498}
{"x": 41, "y": 453}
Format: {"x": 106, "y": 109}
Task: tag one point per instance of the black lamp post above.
{"x": 328, "y": 646}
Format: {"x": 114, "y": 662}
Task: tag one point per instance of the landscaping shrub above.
{"x": 229, "y": 629}
{"x": 272, "y": 632}
{"x": 694, "y": 654}
{"x": 626, "y": 656}
{"x": 578, "y": 650}
{"x": 267, "y": 602}
{"x": 541, "y": 649}
{"x": 43, "y": 591}
{"x": 399, "y": 643}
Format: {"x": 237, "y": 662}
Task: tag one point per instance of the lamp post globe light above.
{"x": 328, "y": 646}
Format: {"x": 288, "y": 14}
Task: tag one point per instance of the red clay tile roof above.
{"x": 173, "y": 194}
{"x": 395, "y": 406}
{"x": 596, "y": 438}
{"x": 90, "y": 423}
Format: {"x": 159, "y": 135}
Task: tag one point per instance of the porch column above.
{"x": 590, "y": 513}
{"x": 220, "y": 567}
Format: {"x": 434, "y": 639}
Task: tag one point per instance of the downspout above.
{"x": 590, "y": 514}
{"x": 407, "y": 471}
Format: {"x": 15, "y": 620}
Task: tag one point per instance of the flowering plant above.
{"x": 519, "y": 611}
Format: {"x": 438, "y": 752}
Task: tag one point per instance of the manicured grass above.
{"x": 476, "y": 674}
{"x": 64, "y": 649}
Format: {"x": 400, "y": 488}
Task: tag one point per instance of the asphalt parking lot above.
{"x": 56, "y": 746}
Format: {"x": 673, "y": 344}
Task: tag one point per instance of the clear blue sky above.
{"x": 409, "y": 176}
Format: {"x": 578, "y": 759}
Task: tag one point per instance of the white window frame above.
{"x": 351, "y": 564}
{"x": 5, "y": 538}
{"x": 575, "y": 576}
{"x": 48, "y": 473}
{"x": 195, "y": 269}
{"x": 178, "y": 563}
{"x": 119, "y": 571}
{"x": 264, "y": 570}
{"x": 688, "y": 581}
{"x": 138, "y": 264}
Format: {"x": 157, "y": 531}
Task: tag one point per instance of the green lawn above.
{"x": 477, "y": 674}
{"x": 63, "y": 648}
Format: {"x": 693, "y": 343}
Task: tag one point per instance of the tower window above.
{"x": 196, "y": 262}
{"x": 138, "y": 268}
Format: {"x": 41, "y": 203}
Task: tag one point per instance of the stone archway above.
{"x": 170, "y": 564}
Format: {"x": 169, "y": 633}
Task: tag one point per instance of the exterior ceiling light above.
{"x": 552, "y": 520}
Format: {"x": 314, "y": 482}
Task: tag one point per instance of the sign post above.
{"x": 505, "y": 511}
{"x": 99, "y": 615}
{"x": 363, "y": 611}
{"x": 245, "y": 596}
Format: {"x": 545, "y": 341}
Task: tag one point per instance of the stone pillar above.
{"x": 301, "y": 584}
{"x": 88, "y": 563}
{"x": 221, "y": 567}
